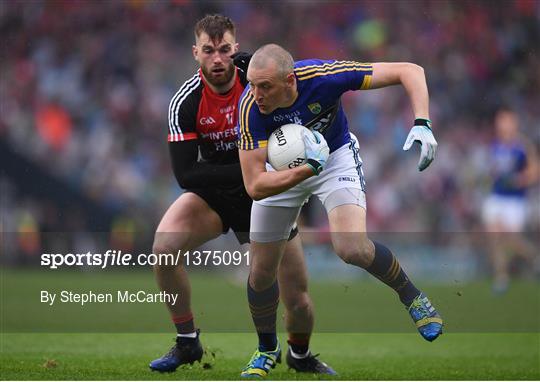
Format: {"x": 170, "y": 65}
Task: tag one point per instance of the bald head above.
{"x": 271, "y": 78}
{"x": 273, "y": 54}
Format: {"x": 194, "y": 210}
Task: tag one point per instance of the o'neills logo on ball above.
{"x": 280, "y": 137}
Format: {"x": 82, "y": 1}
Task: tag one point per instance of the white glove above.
{"x": 424, "y": 136}
{"x": 317, "y": 150}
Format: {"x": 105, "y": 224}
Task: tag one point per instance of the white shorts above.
{"x": 341, "y": 182}
{"x": 343, "y": 170}
{"x": 509, "y": 212}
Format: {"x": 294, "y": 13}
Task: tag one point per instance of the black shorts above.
{"x": 233, "y": 207}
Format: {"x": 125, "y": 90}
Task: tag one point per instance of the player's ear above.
{"x": 235, "y": 47}
{"x": 195, "y": 51}
{"x": 291, "y": 79}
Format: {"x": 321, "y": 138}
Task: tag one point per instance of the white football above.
{"x": 286, "y": 147}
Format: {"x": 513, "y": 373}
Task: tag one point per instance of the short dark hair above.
{"x": 214, "y": 26}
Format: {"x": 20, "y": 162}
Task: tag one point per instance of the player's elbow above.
{"x": 182, "y": 181}
{"x": 253, "y": 187}
{"x": 254, "y": 190}
{"x": 254, "y": 193}
{"x": 257, "y": 197}
{"x": 415, "y": 69}
{"x": 411, "y": 75}
{"x": 418, "y": 68}
{"x": 181, "y": 176}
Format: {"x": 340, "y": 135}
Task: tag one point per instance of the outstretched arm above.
{"x": 410, "y": 76}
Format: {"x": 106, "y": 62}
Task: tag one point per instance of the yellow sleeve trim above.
{"x": 330, "y": 66}
{"x": 246, "y": 138}
{"x": 318, "y": 74}
{"x": 366, "y": 84}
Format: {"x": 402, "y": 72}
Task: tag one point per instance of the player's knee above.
{"x": 299, "y": 304}
{"x": 261, "y": 279}
{"x": 164, "y": 249}
{"x": 359, "y": 254}
{"x": 349, "y": 256}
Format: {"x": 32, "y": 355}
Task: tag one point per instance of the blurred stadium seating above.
{"x": 85, "y": 86}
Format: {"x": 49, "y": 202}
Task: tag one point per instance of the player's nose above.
{"x": 217, "y": 58}
{"x": 256, "y": 93}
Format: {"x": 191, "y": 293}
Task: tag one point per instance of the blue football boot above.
{"x": 261, "y": 362}
{"x": 428, "y": 322}
{"x": 185, "y": 351}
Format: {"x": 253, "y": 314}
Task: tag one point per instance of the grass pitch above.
{"x": 361, "y": 331}
{"x": 93, "y": 356}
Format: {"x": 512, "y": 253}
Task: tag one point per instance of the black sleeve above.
{"x": 192, "y": 174}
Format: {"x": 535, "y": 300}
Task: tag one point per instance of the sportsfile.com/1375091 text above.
{"x": 119, "y": 258}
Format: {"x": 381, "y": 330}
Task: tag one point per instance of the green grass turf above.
{"x": 93, "y": 356}
{"x": 219, "y": 304}
{"x": 486, "y": 336}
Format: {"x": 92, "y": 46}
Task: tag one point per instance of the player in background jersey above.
{"x": 308, "y": 92}
{"x": 514, "y": 168}
{"x": 202, "y": 120}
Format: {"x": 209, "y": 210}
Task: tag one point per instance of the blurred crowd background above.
{"x": 85, "y": 87}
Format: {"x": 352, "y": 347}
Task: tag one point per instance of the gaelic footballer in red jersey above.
{"x": 197, "y": 112}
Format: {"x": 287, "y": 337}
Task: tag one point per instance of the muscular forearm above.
{"x": 269, "y": 183}
{"x": 413, "y": 80}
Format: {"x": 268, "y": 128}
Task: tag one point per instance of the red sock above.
{"x": 184, "y": 324}
{"x": 299, "y": 342}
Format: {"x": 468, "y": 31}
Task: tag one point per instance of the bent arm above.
{"x": 190, "y": 173}
{"x": 410, "y": 76}
{"x": 260, "y": 183}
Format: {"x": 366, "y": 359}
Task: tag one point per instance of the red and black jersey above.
{"x": 202, "y": 135}
{"x": 198, "y": 113}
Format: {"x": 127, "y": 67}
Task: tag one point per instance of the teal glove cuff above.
{"x": 315, "y": 166}
{"x": 422, "y": 122}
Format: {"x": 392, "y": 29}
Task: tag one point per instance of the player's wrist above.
{"x": 315, "y": 166}
{"x": 422, "y": 122}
